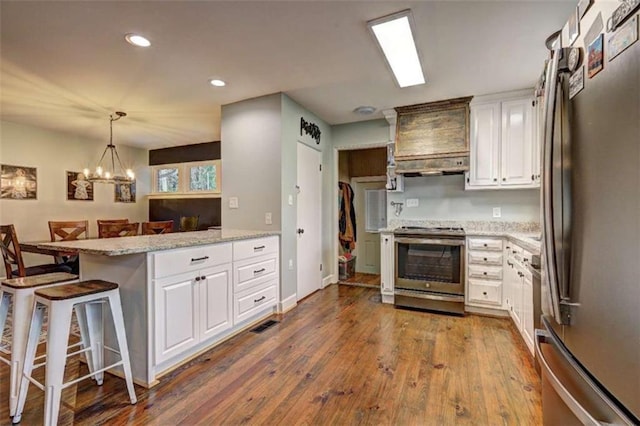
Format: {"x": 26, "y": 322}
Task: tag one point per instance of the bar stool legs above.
{"x": 88, "y": 302}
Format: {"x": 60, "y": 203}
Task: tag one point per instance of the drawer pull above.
{"x": 258, "y": 248}
{"x": 484, "y": 293}
{"x": 484, "y": 273}
{"x": 259, "y": 271}
{"x": 514, "y": 251}
{"x": 485, "y": 259}
{"x": 197, "y": 259}
{"x": 485, "y": 244}
{"x": 259, "y": 299}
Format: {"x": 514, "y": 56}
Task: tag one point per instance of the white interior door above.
{"x": 309, "y": 249}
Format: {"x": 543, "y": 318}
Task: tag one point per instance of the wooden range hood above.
{"x": 433, "y": 138}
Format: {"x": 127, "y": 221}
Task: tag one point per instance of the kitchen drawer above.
{"x": 485, "y": 272}
{"x": 257, "y": 247}
{"x": 485, "y": 292}
{"x": 249, "y": 303}
{"x": 252, "y": 272}
{"x": 485, "y": 258}
{"x": 485, "y": 244}
{"x": 171, "y": 262}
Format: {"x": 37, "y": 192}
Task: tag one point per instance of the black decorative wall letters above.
{"x": 310, "y": 129}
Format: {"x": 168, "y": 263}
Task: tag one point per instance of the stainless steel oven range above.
{"x": 430, "y": 268}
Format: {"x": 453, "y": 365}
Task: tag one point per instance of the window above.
{"x": 187, "y": 179}
{"x": 375, "y": 210}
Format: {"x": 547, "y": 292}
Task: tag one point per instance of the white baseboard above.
{"x": 287, "y": 304}
{"x": 388, "y": 298}
{"x": 329, "y": 279}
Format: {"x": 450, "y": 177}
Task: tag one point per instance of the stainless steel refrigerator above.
{"x": 589, "y": 348}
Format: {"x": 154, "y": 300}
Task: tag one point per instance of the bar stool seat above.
{"x": 87, "y": 299}
{"x": 19, "y": 292}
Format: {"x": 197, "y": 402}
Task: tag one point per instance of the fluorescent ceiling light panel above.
{"x": 395, "y": 37}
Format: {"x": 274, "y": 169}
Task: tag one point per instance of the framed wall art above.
{"x": 18, "y": 182}
{"x": 125, "y": 192}
{"x": 595, "y": 55}
{"x": 78, "y": 187}
{"x": 576, "y": 82}
{"x": 573, "y": 25}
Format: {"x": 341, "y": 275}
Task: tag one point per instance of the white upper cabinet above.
{"x": 504, "y": 151}
{"x": 485, "y": 145}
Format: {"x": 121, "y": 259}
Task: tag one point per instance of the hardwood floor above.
{"x": 362, "y": 279}
{"x": 340, "y": 357}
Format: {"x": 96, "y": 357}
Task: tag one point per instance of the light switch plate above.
{"x": 233, "y": 202}
{"x": 290, "y": 199}
{"x": 497, "y": 212}
{"x": 267, "y": 218}
{"x": 413, "y": 202}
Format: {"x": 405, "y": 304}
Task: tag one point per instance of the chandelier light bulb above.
{"x": 107, "y": 175}
{"x": 86, "y": 172}
{"x": 99, "y": 171}
{"x": 130, "y": 173}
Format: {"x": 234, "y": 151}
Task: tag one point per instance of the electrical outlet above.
{"x": 233, "y": 202}
{"x": 291, "y": 264}
{"x": 413, "y": 202}
{"x": 267, "y": 218}
{"x": 497, "y": 212}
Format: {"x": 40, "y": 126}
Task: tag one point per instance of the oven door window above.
{"x": 436, "y": 263}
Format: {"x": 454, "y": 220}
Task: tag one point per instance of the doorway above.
{"x": 360, "y": 172}
{"x": 308, "y": 221}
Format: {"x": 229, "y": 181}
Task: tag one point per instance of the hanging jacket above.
{"x": 347, "y": 217}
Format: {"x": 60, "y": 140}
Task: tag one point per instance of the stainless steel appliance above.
{"x": 589, "y": 347}
{"x": 429, "y": 268}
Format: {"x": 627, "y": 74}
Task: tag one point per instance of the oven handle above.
{"x": 440, "y": 241}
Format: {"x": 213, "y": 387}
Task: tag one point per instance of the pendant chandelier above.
{"x": 108, "y": 173}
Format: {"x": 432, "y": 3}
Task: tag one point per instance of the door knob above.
{"x": 300, "y": 231}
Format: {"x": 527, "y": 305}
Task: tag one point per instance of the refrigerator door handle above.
{"x": 578, "y": 410}
{"x": 549, "y": 246}
{"x": 590, "y": 405}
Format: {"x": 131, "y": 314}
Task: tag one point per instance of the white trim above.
{"x": 486, "y": 311}
{"x": 184, "y": 179}
{"x": 161, "y": 195}
{"x": 287, "y": 304}
{"x": 388, "y": 298}
{"x": 328, "y": 280}
{"x": 524, "y": 93}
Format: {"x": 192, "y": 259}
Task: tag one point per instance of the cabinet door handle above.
{"x": 484, "y": 273}
{"x": 485, "y": 259}
{"x": 504, "y": 179}
{"x": 259, "y": 299}
{"x": 197, "y": 259}
{"x": 485, "y": 244}
{"x": 258, "y": 248}
{"x": 514, "y": 251}
{"x": 259, "y": 271}
{"x": 533, "y": 177}
{"x": 484, "y": 293}
{"x": 203, "y": 278}
{"x": 495, "y": 179}
{"x": 197, "y": 278}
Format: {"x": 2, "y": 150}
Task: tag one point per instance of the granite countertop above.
{"x": 525, "y": 234}
{"x": 148, "y": 243}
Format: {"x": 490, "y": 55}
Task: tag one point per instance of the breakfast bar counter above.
{"x": 182, "y": 293}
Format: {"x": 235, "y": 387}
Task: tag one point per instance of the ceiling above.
{"x": 65, "y": 65}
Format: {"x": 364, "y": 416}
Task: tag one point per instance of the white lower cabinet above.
{"x": 484, "y": 272}
{"x": 387, "y": 263}
{"x": 209, "y": 292}
{"x": 191, "y": 308}
{"x": 519, "y": 291}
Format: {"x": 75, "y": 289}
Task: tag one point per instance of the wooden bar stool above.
{"x": 60, "y": 301}
{"x": 158, "y": 227}
{"x": 114, "y": 230}
{"x": 20, "y": 291}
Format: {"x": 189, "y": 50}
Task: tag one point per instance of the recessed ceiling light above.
{"x": 394, "y": 34}
{"x": 137, "y": 40}
{"x": 217, "y": 83}
{"x": 365, "y": 110}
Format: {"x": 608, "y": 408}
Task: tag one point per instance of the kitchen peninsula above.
{"x": 183, "y": 292}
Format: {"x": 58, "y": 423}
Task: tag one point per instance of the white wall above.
{"x": 251, "y": 159}
{"x": 444, "y": 198}
{"x": 54, "y": 153}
